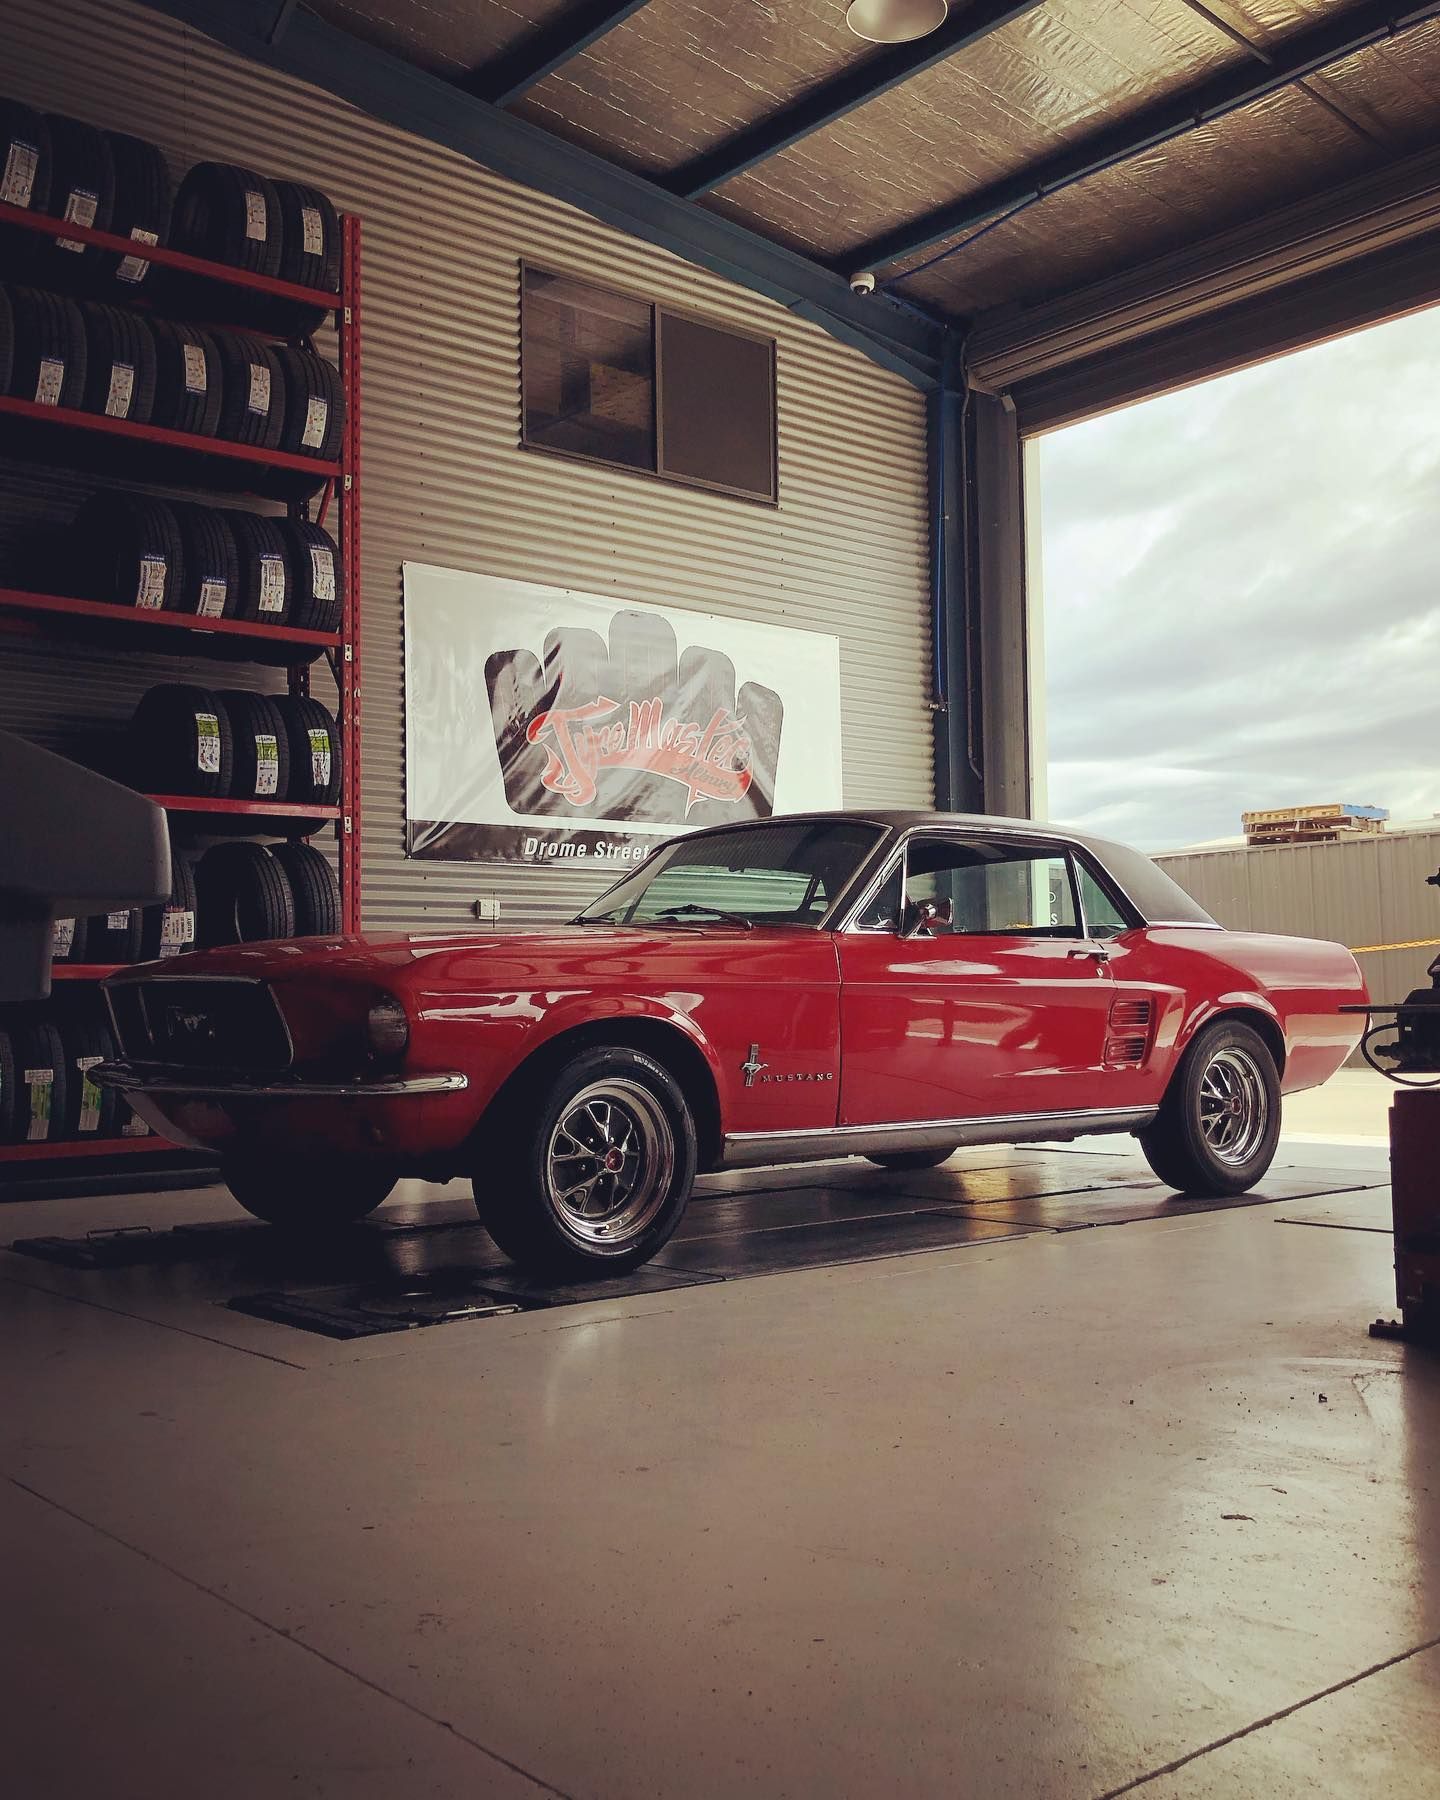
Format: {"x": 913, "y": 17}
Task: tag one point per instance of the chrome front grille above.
{"x": 199, "y": 1023}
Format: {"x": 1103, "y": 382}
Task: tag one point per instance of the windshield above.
{"x": 776, "y": 874}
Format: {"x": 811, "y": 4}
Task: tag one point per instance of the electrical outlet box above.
{"x": 487, "y": 909}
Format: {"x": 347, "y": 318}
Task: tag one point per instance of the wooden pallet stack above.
{"x": 1312, "y": 824}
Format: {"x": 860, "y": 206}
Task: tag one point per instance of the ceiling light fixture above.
{"x": 895, "y": 21}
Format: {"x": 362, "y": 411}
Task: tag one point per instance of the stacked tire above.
{"x": 47, "y": 1095}
{"x": 44, "y": 335}
{"x": 237, "y": 216}
{"x": 135, "y": 550}
{"x": 249, "y": 893}
{"x": 99, "y": 357}
{"x": 235, "y": 745}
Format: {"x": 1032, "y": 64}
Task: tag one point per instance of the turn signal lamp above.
{"x": 387, "y": 1029}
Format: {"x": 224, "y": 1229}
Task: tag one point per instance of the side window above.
{"x": 1103, "y": 917}
{"x": 980, "y": 888}
{"x": 882, "y": 912}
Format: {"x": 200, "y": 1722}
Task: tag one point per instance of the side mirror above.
{"x": 918, "y": 916}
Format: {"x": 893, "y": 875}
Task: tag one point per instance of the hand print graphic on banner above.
{"x": 633, "y": 719}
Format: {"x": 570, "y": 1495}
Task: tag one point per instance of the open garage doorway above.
{"x": 1233, "y": 595}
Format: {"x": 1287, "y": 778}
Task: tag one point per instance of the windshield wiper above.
{"x": 711, "y": 912}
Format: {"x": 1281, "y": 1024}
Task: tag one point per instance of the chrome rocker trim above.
{"x": 129, "y": 1079}
{"x": 751, "y": 1149}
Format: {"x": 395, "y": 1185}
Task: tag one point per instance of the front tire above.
{"x": 1219, "y": 1123}
{"x": 913, "y": 1159}
{"x": 305, "y": 1194}
{"x": 589, "y": 1170}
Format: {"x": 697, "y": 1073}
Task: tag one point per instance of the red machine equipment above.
{"x": 1411, "y": 1059}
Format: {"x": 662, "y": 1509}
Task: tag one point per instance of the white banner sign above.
{"x": 544, "y": 724}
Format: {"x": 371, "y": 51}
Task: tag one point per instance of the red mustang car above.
{"x": 889, "y": 985}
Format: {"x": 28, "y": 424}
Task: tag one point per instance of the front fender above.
{"x": 491, "y": 1036}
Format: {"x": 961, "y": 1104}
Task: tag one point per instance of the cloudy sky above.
{"x": 1242, "y": 594}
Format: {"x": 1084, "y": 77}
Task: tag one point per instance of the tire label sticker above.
{"x": 213, "y": 594}
{"x": 150, "y": 590}
{"x": 122, "y": 390}
{"x": 319, "y": 756}
{"x": 256, "y": 223}
{"x": 51, "y": 380}
{"x": 63, "y": 941}
{"x": 207, "y": 747}
{"x": 90, "y": 1095}
{"x": 322, "y": 571}
{"x": 117, "y": 921}
{"x": 272, "y": 583}
{"x": 317, "y": 417}
{"x": 259, "y": 401}
{"x": 135, "y": 268}
{"x": 313, "y": 229}
{"x": 177, "y": 929}
{"x": 80, "y": 209}
{"x": 41, "y": 1083}
{"x": 267, "y": 765}
{"x": 194, "y": 368}
{"x": 17, "y": 184}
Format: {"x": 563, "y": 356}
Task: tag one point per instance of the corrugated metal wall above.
{"x": 846, "y": 551}
{"x": 1364, "y": 892}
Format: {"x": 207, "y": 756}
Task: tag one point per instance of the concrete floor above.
{"x": 1071, "y": 1515}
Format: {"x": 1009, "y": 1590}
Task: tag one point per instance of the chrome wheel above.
{"x": 609, "y": 1164}
{"x": 1234, "y": 1106}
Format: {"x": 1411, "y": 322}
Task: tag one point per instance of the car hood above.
{"x": 417, "y": 955}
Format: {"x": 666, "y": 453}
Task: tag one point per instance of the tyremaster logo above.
{"x": 545, "y": 724}
{"x": 628, "y": 730}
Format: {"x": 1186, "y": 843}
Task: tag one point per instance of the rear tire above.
{"x": 587, "y": 1170}
{"x": 913, "y": 1159}
{"x": 1219, "y": 1123}
{"x": 305, "y": 1194}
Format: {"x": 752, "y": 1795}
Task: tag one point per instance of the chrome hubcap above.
{"x": 1234, "y": 1106}
{"x": 609, "y": 1164}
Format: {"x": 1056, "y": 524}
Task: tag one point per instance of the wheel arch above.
{"x": 1264, "y": 1023}
{"x": 670, "y": 1046}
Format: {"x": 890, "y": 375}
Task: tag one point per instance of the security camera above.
{"x": 863, "y": 283}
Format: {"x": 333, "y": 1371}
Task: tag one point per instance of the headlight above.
{"x": 387, "y": 1029}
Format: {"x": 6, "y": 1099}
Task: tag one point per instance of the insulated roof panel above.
{"x": 1214, "y": 177}
{"x": 678, "y": 79}
{"x": 682, "y": 75}
{"x": 1030, "y": 89}
{"x": 447, "y": 37}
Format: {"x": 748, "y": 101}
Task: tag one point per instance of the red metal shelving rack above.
{"x": 187, "y": 634}
{"x": 19, "y": 602}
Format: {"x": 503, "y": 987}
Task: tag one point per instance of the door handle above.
{"x": 1092, "y": 952}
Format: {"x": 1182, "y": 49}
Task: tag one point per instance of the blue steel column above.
{"x": 959, "y": 780}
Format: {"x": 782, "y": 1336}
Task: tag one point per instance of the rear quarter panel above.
{"x": 1299, "y": 983}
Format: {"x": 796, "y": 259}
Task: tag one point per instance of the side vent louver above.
{"x": 1128, "y": 1041}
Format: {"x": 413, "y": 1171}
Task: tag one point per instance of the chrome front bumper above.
{"x": 131, "y": 1078}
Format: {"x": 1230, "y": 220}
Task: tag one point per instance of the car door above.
{"x": 969, "y": 988}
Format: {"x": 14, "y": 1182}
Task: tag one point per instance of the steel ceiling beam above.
{"x": 506, "y": 77}
{"x": 1292, "y": 60}
{"x": 895, "y": 335}
{"x": 832, "y": 100}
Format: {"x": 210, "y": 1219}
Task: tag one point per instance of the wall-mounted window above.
{"x": 622, "y": 381}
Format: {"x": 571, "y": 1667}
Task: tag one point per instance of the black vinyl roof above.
{"x": 1155, "y": 896}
